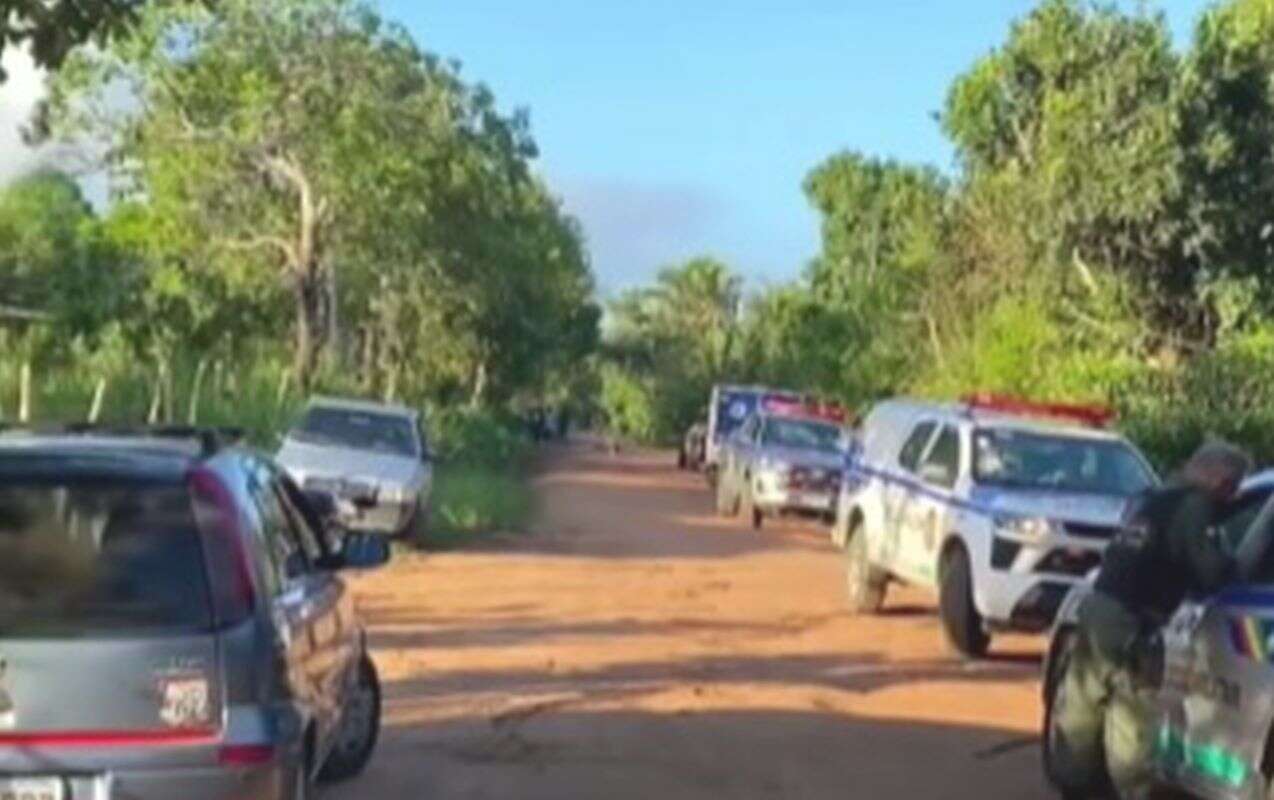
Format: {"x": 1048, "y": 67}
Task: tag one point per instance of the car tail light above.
{"x": 109, "y": 739}
{"x": 225, "y": 548}
{"x": 245, "y": 755}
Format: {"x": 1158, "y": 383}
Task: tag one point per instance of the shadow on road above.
{"x": 860, "y": 674}
{"x": 716, "y": 755}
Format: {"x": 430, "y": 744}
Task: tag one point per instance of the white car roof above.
{"x": 907, "y": 410}
{"x": 370, "y": 406}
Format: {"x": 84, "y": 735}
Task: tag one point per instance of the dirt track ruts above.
{"x": 635, "y": 646}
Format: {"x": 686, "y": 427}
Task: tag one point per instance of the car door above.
{"x": 901, "y": 495}
{"x": 927, "y": 518}
{"x": 1217, "y": 701}
{"x": 305, "y": 606}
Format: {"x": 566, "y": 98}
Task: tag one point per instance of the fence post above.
{"x": 24, "y": 393}
{"x": 99, "y": 393}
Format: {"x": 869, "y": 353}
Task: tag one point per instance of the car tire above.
{"x": 961, "y": 621}
{"x": 865, "y": 585}
{"x": 1052, "y": 773}
{"x": 353, "y": 747}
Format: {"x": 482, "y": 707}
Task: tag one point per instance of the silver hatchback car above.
{"x": 173, "y": 624}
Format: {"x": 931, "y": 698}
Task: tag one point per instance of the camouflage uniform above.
{"x": 1166, "y": 552}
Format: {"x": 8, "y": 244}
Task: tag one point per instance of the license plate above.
{"x": 32, "y": 789}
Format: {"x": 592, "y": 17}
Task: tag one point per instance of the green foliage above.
{"x": 478, "y": 439}
{"x": 300, "y": 169}
{"x": 628, "y": 405}
{"x": 472, "y": 501}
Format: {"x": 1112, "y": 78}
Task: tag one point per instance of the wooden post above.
{"x": 99, "y": 393}
{"x": 24, "y": 393}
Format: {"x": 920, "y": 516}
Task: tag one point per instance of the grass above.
{"x": 470, "y": 501}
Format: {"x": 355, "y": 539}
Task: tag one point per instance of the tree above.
{"x": 1075, "y": 119}
{"x": 1228, "y": 119}
{"x": 51, "y": 29}
{"x": 296, "y": 146}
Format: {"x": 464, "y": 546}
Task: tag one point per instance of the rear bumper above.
{"x": 189, "y": 783}
{"x": 384, "y": 517}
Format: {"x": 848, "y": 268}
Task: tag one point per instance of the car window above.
{"x": 358, "y": 430}
{"x": 802, "y": 434}
{"x": 1029, "y": 460}
{"x": 1239, "y": 515}
{"x": 99, "y": 555}
{"x": 914, "y": 447}
{"x": 944, "y": 456}
{"x": 286, "y": 559}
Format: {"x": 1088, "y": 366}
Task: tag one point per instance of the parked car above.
{"x": 372, "y": 455}
{"x": 1214, "y": 720}
{"x": 787, "y": 458}
{"x": 691, "y": 453}
{"x": 999, "y": 505}
{"x": 173, "y": 624}
{"x": 728, "y": 408}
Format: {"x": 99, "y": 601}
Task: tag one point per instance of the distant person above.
{"x": 1169, "y": 549}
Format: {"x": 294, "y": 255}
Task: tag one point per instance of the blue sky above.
{"x": 678, "y": 128}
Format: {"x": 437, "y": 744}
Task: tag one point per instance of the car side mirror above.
{"x": 364, "y": 551}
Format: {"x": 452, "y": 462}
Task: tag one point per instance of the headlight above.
{"x": 1030, "y": 530}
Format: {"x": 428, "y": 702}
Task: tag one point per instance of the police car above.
{"x": 787, "y": 457}
{"x": 1213, "y": 724}
{"x": 998, "y": 504}
{"x": 730, "y": 407}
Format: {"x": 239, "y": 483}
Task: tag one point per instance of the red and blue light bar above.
{"x": 1095, "y": 416}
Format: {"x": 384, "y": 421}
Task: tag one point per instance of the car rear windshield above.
{"x": 360, "y": 430}
{"x": 802, "y": 434}
{"x": 94, "y": 556}
{"x": 1029, "y": 460}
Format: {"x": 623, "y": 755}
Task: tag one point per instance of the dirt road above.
{"x": 634, "y": 646}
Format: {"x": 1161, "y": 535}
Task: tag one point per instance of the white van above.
{"x": 999, "y": 505}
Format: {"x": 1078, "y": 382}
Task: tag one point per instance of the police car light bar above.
{"x": 787, "y": 405}
{"x": 1092, "y": 415}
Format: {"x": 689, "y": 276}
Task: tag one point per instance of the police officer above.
{"x": 1168, "y": 549}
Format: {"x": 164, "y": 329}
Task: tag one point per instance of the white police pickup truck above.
{"x": 999, "y": 505}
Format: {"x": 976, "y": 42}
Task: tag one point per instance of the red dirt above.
{"x": 635, "y": 646}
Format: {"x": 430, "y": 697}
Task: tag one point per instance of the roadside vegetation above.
{"x": 1105, "y": 236}
{"x": 302, "y": 200}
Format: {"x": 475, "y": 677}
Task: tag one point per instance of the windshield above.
{"x": 1005, "y": 457}
{"x": 802, "y": 434}
{"x": 94, "y": 556}
{"x": 359, "y": 430}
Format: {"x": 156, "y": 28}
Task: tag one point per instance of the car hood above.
{"x": 345, "y": 462}
{"x": 1082, "y": 507}
{"x": 800, "y": 457}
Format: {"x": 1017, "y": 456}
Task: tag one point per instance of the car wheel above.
{"x": 359, "y": 728}
{"x": 960, "y": 618}
{"x": 865, "y": 585}
{"x": 1054, "y": 698}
